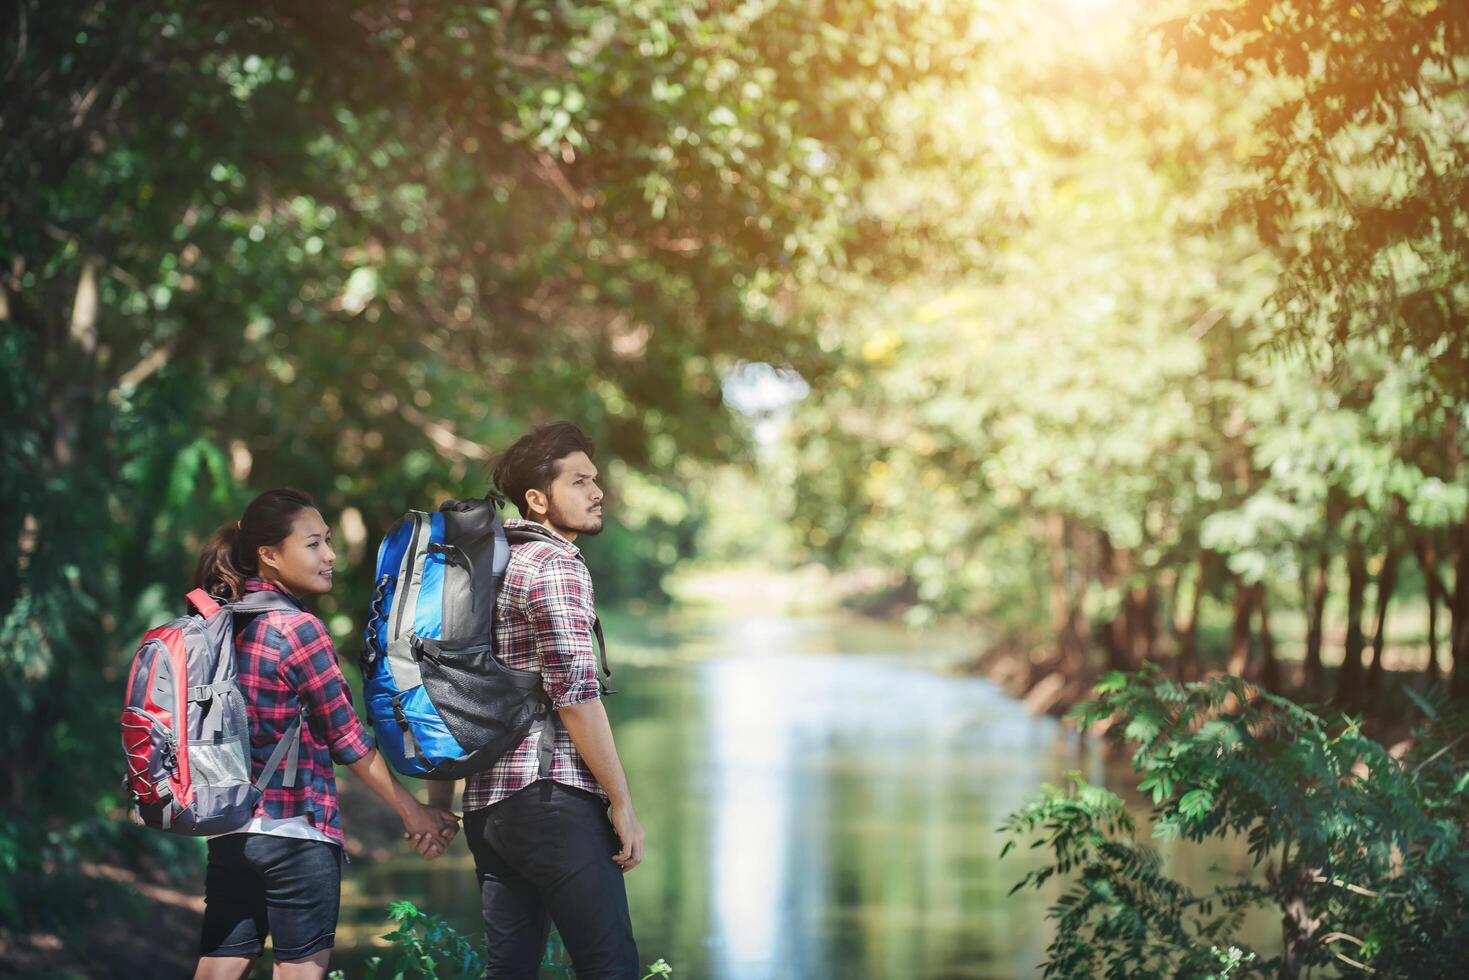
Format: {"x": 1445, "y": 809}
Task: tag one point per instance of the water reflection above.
{"x": 850, "y": 793}
{"x": 750, "y": 745}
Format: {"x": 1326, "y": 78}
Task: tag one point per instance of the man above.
{"x": 552, "y": 847}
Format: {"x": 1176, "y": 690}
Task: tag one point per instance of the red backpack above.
{"x": 185, "y": 735}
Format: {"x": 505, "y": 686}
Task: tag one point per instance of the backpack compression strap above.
{"x": 289, "y": 747}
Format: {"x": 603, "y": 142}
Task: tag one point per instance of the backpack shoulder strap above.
{"x": 521, "y": 534}
{"x": 255, "y": 603}
{"x": 604, "y": 682}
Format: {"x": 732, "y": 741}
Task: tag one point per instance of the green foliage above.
{"x": 424, "y": 946}
{"x": 1357, "y": 183}
{"x": 1357, "y": 849}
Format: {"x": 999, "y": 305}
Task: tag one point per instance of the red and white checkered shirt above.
{"x": 543, "y": 622}
{"x": 287, "y": 666}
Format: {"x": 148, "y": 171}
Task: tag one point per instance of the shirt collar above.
{"x": 265, "y": 585}
{"x": 550, "y": 536}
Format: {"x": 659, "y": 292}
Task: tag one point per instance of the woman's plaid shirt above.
{"x": 287, "y": 665}
{"x": 543, "y": 622}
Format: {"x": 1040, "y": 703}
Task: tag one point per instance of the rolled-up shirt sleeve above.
{"x": 310, "y": 668}
{"x": 561, "y": 609}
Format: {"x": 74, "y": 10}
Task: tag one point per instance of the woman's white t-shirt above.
{"x": 299, "y": 827}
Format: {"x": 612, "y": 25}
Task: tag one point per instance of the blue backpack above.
{"x": 442, "y": 704}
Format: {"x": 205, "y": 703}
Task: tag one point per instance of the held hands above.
{"x": 429, "y": 829}
{"x": 630, "y": 834}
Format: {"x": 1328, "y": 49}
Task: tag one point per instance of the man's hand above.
{"x": 429, "y": 829}
{"x": 630, "y": 834}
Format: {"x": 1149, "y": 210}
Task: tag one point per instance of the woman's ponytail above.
{"x": 230, "y": 556}
{"x": 218, "y": 571}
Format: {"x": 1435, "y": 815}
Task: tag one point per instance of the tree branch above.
{"x": 1438, "y": 753}
{"x": 449, "y": 445}
{"x": 149, "y": 365}
{"x": 1355, "y": 889}
{"x": 22, "y": 36}
{"x": 1332, "y": 937}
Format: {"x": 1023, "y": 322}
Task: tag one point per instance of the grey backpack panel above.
{"x": 186, "y": 734}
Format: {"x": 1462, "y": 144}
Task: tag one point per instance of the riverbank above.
{"x": 1025, "y": 664}
{"x": 141, "y": 918}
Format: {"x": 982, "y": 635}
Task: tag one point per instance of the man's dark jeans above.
{"x": 547, "y": 851}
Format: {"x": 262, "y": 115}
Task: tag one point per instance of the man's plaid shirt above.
{"x": 286, "y": 665}
{"x": 543, "y": 622}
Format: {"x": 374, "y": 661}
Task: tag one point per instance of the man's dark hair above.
{"x": 534, "y": 461}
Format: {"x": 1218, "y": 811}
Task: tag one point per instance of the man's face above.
{"x": 575, "y": 501}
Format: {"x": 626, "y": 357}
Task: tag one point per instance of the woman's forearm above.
{"x": 373, "y": 770}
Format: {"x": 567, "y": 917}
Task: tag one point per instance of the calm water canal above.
{"x": 820, "y": 800}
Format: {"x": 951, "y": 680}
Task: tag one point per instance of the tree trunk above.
{"x": 1460, "y": 617}
{"x": 1114, "y": 633}
{"x": 1188, "y": 631}
{"x": 1239, "y": 633}
{"x": 69, "y": 397}
{"x": 1083, "y": 562}
{"x": 1459, "y": 603}
{"x": 1349, "y": 679}
{"x": 1428, "y": 561}
{"x": 1298, "y": 925}
{"x": 1269, "y": 666}
{"x": 1315, "y": 594}
{"x": 1069, "y": 645}
{"x": 1142, "y": 625}
{"x": 1387, "y": 581}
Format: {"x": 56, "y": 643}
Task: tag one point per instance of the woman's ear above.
{"x": 268, "y": 557}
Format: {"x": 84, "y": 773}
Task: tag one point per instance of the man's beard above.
{"x": 588, "y": 524}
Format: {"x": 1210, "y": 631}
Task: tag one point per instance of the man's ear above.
{"x": 538, "y": 503}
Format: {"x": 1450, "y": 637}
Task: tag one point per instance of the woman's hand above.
{"x": 429, "y": 829}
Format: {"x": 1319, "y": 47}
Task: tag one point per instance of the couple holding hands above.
{"x": 545, "y": 849}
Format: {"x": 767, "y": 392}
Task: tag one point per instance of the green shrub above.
{"x": 424, "y": 945}
{"x": 1360, "y": 850}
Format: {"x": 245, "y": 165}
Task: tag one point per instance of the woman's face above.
{"x": 303, "y": 561}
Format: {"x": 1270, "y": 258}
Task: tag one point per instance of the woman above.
{"x": 281, "y": 874}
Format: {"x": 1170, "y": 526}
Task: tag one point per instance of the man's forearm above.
{"x": 441, "y": 793}
{"x": 591, "y": 733}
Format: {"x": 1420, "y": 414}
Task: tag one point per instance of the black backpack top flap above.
{"x": 475, "y": 553}
{"x": 470, "y": 525}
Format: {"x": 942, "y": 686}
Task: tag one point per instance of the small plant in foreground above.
{"x": 424, "y": 945}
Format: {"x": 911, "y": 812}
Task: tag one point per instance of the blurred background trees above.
{"x": 1205, "y": 401}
